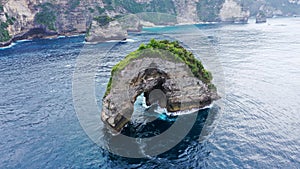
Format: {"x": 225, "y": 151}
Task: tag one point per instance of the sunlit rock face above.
{"x": 111, "y": 31}
{"x": 20, "y": 18}
{"x": 117, "y": 29}
{"x": 231, "y": 11}
{"x": 163, "y": 80}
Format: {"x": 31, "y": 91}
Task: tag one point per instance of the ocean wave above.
{"x": 23, "y": 40}
{"x": 186, "y": 112}
{"x": 129, "y": 40}
{"x": 9, "y": 46}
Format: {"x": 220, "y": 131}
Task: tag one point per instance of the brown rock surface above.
{"x": 168, "y": 82}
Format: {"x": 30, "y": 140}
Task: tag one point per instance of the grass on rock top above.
{"x": 154, "y": 48}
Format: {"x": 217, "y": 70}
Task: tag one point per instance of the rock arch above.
{"x": 146, "y": 81}
{"x": 169, "y": 82}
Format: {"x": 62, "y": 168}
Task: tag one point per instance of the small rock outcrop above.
{"x": 101, "y": 33}
{"x": 261, "y": 17}
{"x": 104, "y": 28}
{"x": 165, "y": 73}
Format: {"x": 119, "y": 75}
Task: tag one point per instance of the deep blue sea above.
{"x": 256, "y": 124}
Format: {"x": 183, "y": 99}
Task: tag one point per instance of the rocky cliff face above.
{"x": 42, "y": 18}
{"x": 112, "y": 31}
{"x": 35, "y": 18}
{"x": 162, "y": 72}
{"x": 231, "y": 11}
{"x": 186, "y": 11}
{"x": 272, "y": 7}
{"x": 173, "y": 88}
{"x": 16, "y": 18}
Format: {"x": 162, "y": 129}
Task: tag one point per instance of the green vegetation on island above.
{"x": 103, "y": 20}
{"x": 177, "y": 51}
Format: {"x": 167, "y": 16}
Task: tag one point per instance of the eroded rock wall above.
{"x": 172, "y": 84}
{"x": 72, "y": 17}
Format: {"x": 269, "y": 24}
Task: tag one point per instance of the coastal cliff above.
{"x": 181, "y": 83}
{"x": 27, "y": 19}
{"x": 232, "y": 12}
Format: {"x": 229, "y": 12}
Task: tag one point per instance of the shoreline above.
{"x": 14, "y": 41}
{"x": 18, "y": 38}
{"x": 54, "y": 35}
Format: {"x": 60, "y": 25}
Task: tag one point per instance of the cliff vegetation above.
{"x": 4, "y": 34}
{"x": 166, "y": 6}
{"x": 208, "y": 10}
{"x": 46, "y": 16}
{"x": 73, "y": 17}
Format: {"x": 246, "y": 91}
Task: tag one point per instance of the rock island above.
{"x": 166, "y": 73}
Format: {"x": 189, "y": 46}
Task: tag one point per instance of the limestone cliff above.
{"x": 101, "y": 33}
{"x": 36, "y": 18}
{"x": 186, "y": 11}
{"x": 23, "y": 19}
{"x": 165, "y": 73}
{"x": 231, "y": 11}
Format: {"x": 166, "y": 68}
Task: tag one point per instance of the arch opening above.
{"x": 150, "y": 83}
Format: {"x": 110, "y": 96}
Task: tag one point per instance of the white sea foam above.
{"x": 24, "y": 40}
{"x": 185, "y": 112}
{"x": 89, "y": 43}
{"x": 113, "y": 41}
{"x": 129, "y": 40}
{"x": 77, "y": 35}
{"x": 7, "y": 47}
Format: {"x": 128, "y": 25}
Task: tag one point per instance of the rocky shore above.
{"x": 27, "y": 19}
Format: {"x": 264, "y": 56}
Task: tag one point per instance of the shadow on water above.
{"x": 199, "y": 131}
{"x": 148, "y": 129}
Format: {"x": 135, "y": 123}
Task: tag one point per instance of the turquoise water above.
{"x": 255, "y": 124}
